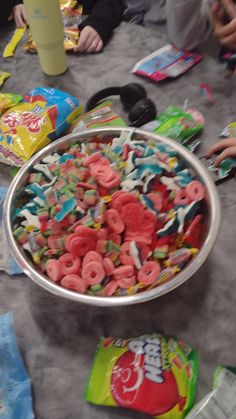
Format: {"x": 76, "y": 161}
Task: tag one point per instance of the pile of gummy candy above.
{"x": 111, "y": 217}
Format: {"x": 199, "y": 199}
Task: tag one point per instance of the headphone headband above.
{"x": 102, "y": 94}
{"x": 134, "y": 99}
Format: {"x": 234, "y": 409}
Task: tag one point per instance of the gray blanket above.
{"x": 57, "y": 338}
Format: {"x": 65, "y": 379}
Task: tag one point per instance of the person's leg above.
{"x": 135, "y": 10}
{"x": 5, "y": 11}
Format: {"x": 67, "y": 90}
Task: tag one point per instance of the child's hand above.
{"x": 19, "y": 15}
{"x": 229, "y": 150}
{"x": 89, "y": 41}
{"x": 224, "y": 32}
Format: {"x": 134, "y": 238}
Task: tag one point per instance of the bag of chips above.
{"x": 71, "y": 14}
{"x": 42, "y": 116}
{"x": 152, "y": 374}
{"x": 7, "y": 100}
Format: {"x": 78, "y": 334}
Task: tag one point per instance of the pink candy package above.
{"x": 166, "y": 62}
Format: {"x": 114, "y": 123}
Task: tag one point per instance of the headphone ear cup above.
{"x": 131, "y": 93}
{"x": 142, "y": 112}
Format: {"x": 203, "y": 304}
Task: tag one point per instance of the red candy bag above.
{"x": 151, "y": 374}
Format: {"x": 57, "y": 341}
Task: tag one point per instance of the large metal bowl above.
{"x": 212, "y": 214}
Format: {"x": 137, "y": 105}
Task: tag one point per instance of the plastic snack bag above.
{"x": 12, "y": 44}
{"x": 177, "y": 124}
{"x": 3, "y": 77}
{"x": 152, "y": 374}
{"x": 7, "y": 263}
{"x": 102, "y": 115}
{"x": 16, "y": 399}
{"x": 225, "y": 171}
{"x": 42, "y": 116}
{"x": 67, "y": 4}
{"x": 229, "y": 131}
{"x": 221, "y": 402}
{"x": 71, "y": 37}
{"x": 166, "y": 62}
{"x": 227, "y": 167}
{"x": 72, "y": 16}
{"x": 7, "y": 100}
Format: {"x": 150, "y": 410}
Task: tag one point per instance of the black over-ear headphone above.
{"x": 134, "y": 98}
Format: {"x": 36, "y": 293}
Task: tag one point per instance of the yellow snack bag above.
{"x": 71, "y": 16}
{"x": 7, "y": 100}
{"x": 42, "y": 116}
{"x": 12, "y": 44}
{"x": 3, "y": 77}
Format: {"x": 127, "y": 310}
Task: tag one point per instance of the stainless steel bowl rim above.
{"x": 30, "y": 269}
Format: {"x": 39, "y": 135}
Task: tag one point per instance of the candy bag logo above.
{"x": 38, "y": 14}
{"x": 142, "y": 380}
{"x": 151, "y": 350}
{"x": 28, "y": 119}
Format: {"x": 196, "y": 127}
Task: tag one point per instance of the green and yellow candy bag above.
{"x": 151, "y": 374}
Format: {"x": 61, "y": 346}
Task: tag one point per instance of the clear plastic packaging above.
{"x": 15, "y": 389}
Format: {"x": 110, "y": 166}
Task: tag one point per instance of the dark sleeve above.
{"x": 5, "y": 11}
{"x": 104, "y": 16}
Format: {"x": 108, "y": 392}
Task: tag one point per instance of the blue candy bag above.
{"x": 7, "y": 263}
{"x": 15, "y": 389}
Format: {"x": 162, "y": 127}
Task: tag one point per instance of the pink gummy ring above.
{"x": 70, "y": 264}
{"x": 123, "y": 271}
{"x": 54, "y": 269}
{"x": 181, "y": 197}
{"x": 195, "y": 191}
{"x": 75, "y": 283}
{"x": 127, "y": 282}
{"x": 93, "y": 273}
{"x": 149, "y": 272}
{"x": 108, "y": 266}
{"x": 110, "y": 288}
{"x": 92, "y": 256}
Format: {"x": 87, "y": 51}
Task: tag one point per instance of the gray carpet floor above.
{"x": 57, "y": 338}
